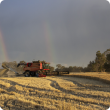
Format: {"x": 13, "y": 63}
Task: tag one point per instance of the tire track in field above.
{"x": 52, "y": 84}
{"x": 56, "y": 86}
{"x": 12, "y": 88}
{"x": 52, "y": 97}
{"x": 91, "y": 87}
{"x": 46, "y": 95}
{"x": 14, "y": 107}
{"x": 7, "y": 90}
{"x": 40, "y": 94}
{"x": 13, "y": 104}
{"x": 34, "y": 88}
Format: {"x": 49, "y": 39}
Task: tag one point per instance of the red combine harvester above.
{"x": 35, "y": 68}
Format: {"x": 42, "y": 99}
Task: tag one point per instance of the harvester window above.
{"x": 45, "y": 66}
{"x": 29, "y": 64}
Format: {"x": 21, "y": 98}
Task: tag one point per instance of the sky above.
{"x": 66, "y": 32}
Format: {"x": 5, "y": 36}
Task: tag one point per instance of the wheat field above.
{"x": 54, "y": 93}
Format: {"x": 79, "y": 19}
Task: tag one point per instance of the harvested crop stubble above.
{"x": 53, "y": 93}
{"x": 105, "y": 76}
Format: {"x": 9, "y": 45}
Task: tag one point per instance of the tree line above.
{"x": 101, "y": 63}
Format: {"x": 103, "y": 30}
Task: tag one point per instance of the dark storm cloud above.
{"x": 78, "y": 29}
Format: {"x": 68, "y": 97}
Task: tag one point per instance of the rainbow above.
{"x": 48, "y": 40}
{"x": 3, "y": 50}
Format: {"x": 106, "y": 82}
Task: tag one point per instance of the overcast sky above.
{"x": 67, "y": 32}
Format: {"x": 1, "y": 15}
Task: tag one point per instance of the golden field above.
{"x": 55, "y": 92}
{"x": 100, "y": 76}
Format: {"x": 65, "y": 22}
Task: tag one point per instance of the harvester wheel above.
{"x": 39, "y": 71}
{"x": 57, "y": 73}
{"x": 27, "y": 73}
{"x": 32, "y": 73}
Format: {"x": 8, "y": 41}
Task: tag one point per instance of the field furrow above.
{"x": 53, "y": 93}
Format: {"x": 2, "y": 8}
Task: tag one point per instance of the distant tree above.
{"x": 74, "y": 68}
{"x": 70, "y": 68}
{"x": 63, "y": 68}
{"x": 107, "y": 52}
{"x": 107, "y": 63}
{"x": 59, "y": 66}
{"x": 99, "y": 62}
{"x": 98, "y": 65}
{"x": 107, "y": 67}
{"x": 80, "y": 69}
{"x": 108, "y": 58}
{"x": 51, "y": 68}
{"x": 90, "y": 66}
{"x": 85, "y": 69}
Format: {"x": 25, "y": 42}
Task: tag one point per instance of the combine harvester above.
{"x": 35, "y": 68}
{"x": 39, "y": 69}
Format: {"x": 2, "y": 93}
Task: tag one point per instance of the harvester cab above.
{"x": 45, "y": 66}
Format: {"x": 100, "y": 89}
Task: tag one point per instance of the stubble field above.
{"x": 54, "y": 93}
